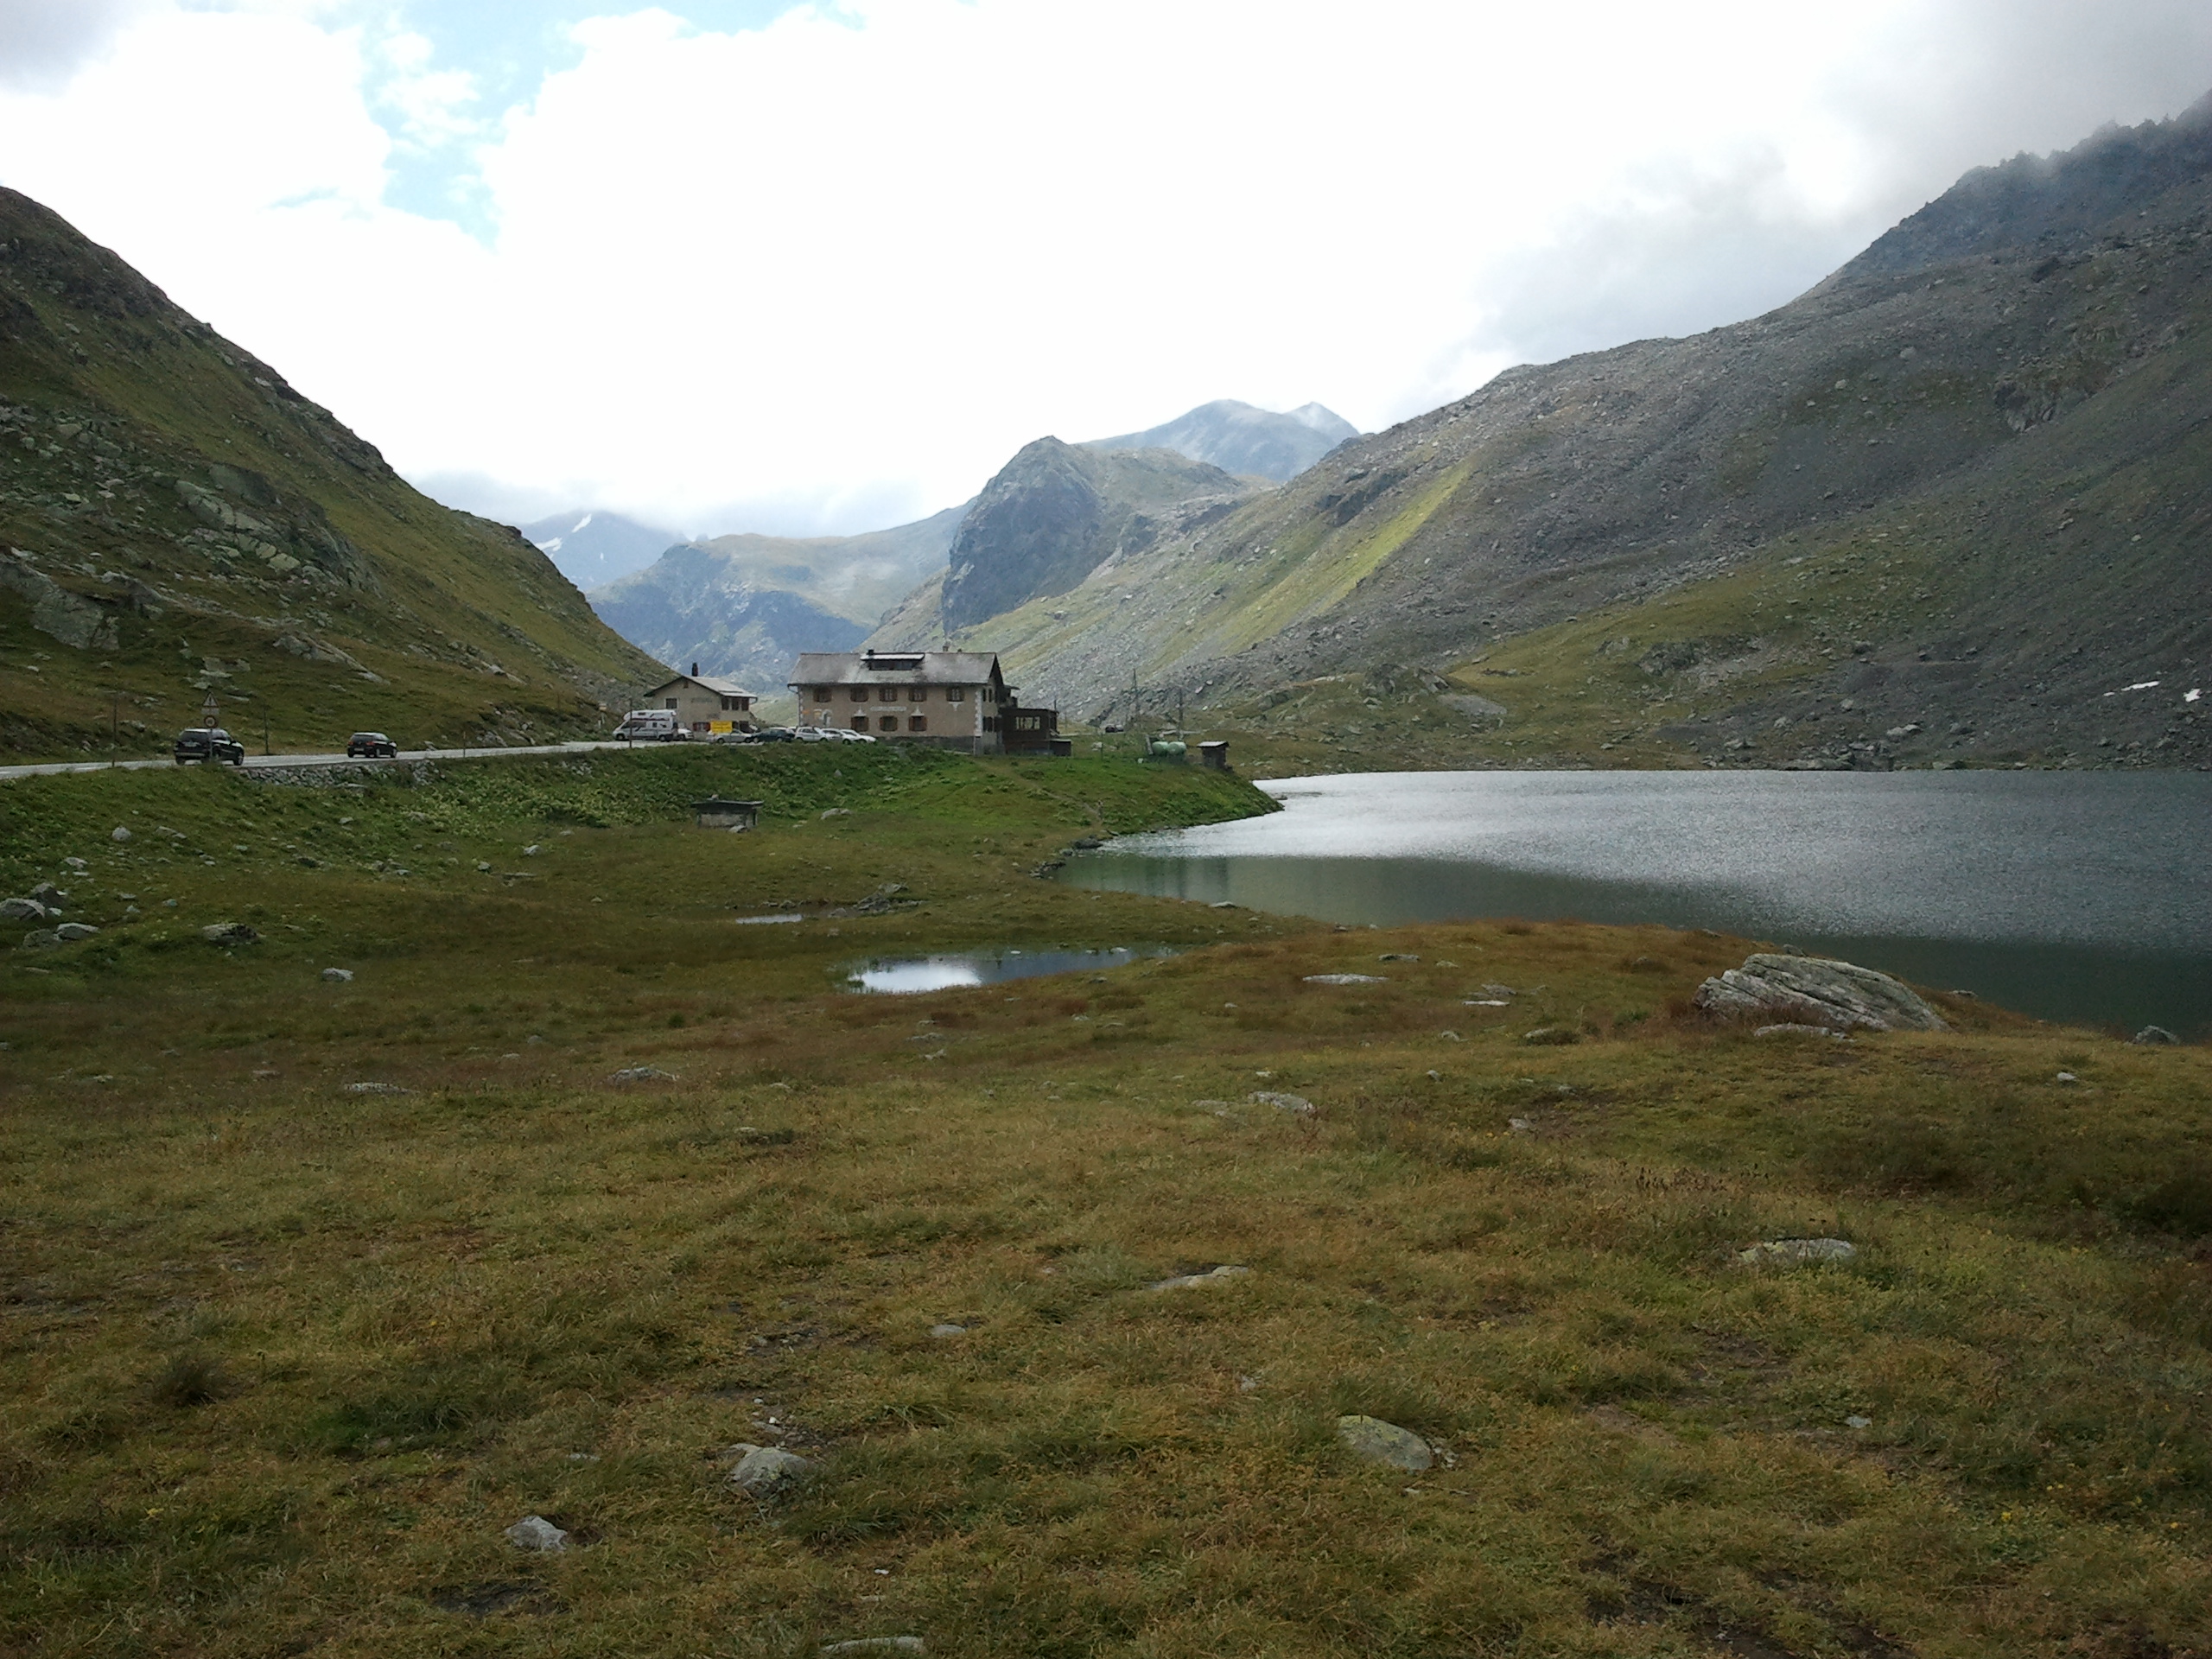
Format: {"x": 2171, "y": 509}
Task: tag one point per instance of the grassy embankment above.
{"x": 283, "y": 1359}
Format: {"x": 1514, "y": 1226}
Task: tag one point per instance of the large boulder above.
{"x": 1813, "y": 991}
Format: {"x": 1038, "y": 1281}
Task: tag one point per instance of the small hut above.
{"x": 715, "y": 813}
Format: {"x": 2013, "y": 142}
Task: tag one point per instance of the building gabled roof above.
{"x": 895, "y": 668}
{"x": 705, "y": 682}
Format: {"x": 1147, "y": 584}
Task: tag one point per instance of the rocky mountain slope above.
{"x": 1240, "y": 438}
{"x": 179, "y": 522}
{"x": 1051, "y": 516}
{"x": 1948, "y": 505}
{"x": 592, "y": 548}
{"x": 745, "y": 605}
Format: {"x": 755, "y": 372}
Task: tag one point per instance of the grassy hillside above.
{"x": 178, "y": 520}
{"x": 285, "y": 1357}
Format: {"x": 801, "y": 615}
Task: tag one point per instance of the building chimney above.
{"x": 695, "y": 671}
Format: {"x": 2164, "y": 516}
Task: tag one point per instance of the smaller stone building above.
{"x": 704, "y": 704}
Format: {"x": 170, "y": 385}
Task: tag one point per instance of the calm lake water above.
{"x": 2083, "y": 897}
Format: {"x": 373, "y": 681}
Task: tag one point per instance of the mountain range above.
{"x": 592, "y": 548}
{"x": 745, "y": 605}
{"x": 179, "y": 524}
{"x": 1946, "y": 506}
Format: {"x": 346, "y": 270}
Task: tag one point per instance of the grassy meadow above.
{"x": 283, "y": 1357}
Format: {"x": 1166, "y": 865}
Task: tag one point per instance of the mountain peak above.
{"x": 1239, "y": 438}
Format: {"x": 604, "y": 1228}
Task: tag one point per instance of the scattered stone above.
{"x": 942, "y": 1330}
{"x": 338, "y": 975}
{"x": 1789, "y": 1252}
{"x": 1218, "y": 1107}
{"x": 879, "y": 1644}
{"x": 2155, "y": 1035}
{"x": 1346, "y": 979}
{"x": 762, "y": 1471}
{"x": 1296, "y": 1104}
{"x": 118, "y": 833}
{"x": 1223, "y": 904}
{"x": 1551, "y": 1036}
{"x": 642, "y": 1074}
{"x": 1397, "y": 956}
{"x": 1373, "y": 1440}
{"x": 22, "y": 910}
{"x": 1452, "y": 1037}
{"x": 228, "y": 933}
{"x": 837, "y": 812}
{"x": 1497, "y": 990}
{"x": 483, "y": 867}
{"x": 377, "y": 1089}
{"x": 1828, "y": 1031}
{"x": 1521, "y": 1125}
{"x": 76, "y": 864}
{"x": 49, "y": 895}
{"x": 529, "y": 851}
{"x": 535, "y": 1532}
{"x": 42, "y": 939}
{"x": 73, "y": 930}
{"x": 1812, "y": 990}
{"x": 1483, "y": 1002}
{"x": 1859, "y": 1422}
{"x": 1193, "y": 1280}
{"x": 2066, "y": 1077}
{"x": 1248, "y": 1385}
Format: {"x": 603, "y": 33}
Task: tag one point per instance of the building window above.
{"x": 859, "y": 694}
{"x": 917, "y": 694}
{"x": 822, "y": 694}
{"x": 887, "y": 693}
{"x": 956, "y": 694}
{"x": 859, "y": 723}
{"x": 989, "y": 723}
{"x": 916, "y": 724}
{"x": 671, "y": 703}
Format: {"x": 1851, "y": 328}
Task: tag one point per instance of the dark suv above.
{"x": 371, "y": 746}
{"x": 208, "y": 743}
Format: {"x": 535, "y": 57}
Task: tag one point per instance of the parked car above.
{"x": 774, "y": 735}
{"x": 816, "y": 734}
{"x": 852, "y": 737}
{"x": 371, "y": 746}
{"x": 208, "y": 743}
{"x": 651, "y": 726}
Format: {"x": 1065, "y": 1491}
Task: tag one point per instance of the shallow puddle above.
{"x": 901, "y": 977}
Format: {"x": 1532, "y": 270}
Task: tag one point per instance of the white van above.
{"x": 650, "y": 726}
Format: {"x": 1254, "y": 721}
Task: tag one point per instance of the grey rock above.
{"x": 1221, "y": 1275}
{"x": 1346, "y": 979}
{"x": 1397, "y": 956}
{"x": 1551, "y": 1036}
{"x": 2155, "y": 1035}
{"x": 1373, "y": 1440}
{"x": 642, "y": 1074}
{"x": 1789, "y": 1252}
{"x": 49, "y": 895}
{"x": 73, "y": 930}
{"x": 377, "y": 1089}
{"x": 1296, "y": 1104}
{"x": 228, "y": 933}
{"x": 948, "y": 1331}
{"x": 535, "y": 1532}
{"x": 878, "y": 1644}
{"x": 21, "y": 910}
{"x": 42, "y": 939}
{"x": 1828, "y": 1031}
{"x": 118, "y": 833}
{"x": 765, "y": 1470}
{"x": 76, "y": 864}
{"x": 1497, "y": 990}
{"x": 2066, "y": 1077}
{"x": 1859, "y": 1422}
{"x": 338, "y": 975}
{"x": 1814, "y": 991}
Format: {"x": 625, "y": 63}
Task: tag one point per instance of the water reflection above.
{"x": 904, "y": 976}
{"x": 2082, "y": 897}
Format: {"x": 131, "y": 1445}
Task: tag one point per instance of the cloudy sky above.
{"x": 744, "y": 265}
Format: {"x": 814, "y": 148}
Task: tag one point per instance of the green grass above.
{"x": 283, "y": 1359}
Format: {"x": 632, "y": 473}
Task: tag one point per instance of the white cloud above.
{"x": 837, "y": 269}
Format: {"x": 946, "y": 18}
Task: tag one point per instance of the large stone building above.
{"x": 704, "y": 704}
{"x": 955, "y": 699}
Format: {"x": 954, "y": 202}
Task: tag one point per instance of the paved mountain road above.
{"x": 276, "y": 762}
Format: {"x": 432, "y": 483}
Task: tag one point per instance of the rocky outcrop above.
{"x": 1242, "y": 440}
{"x": 1814, "y": 991}
{"x": 1056, "y": 512}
